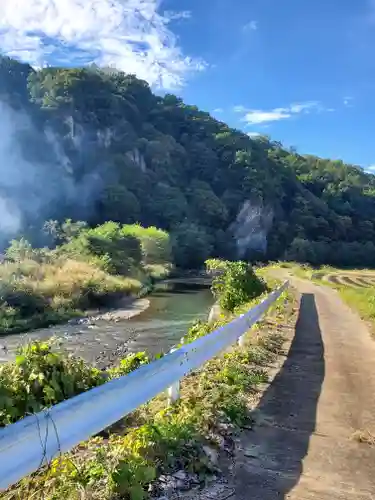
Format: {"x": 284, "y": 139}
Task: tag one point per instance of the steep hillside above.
{"x": 95, "y": 145}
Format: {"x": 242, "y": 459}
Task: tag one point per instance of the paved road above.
{"x": 324, "y": 392}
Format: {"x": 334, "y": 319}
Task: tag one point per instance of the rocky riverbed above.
{"x": 151, "y": 324}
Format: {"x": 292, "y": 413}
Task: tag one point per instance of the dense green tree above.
{"x": 119, "y": 204}
{"x": 191, "y": 245}
{"x": 155, "y": 243}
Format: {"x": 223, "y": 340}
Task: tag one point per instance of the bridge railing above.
{"x": 35, "y": 440}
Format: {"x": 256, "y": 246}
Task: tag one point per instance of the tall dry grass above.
{"x": 34, "y": 294}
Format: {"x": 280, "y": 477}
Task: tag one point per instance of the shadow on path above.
{"x": 286, "y": 416}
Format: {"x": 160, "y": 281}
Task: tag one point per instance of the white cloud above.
{"x": 218, "y": 110}
{"x": 348, "y": 101}
{"x": 239, "y": 109}
{"x": 131, "y": 35}
{"x": 304, "y": 106}
{"x": 171, "y": 15}
{"x": 370, "y": 169}
{"x": 250, "y": 26}
{"x": 256, "y": 116}
{"x": 254, "y": 135}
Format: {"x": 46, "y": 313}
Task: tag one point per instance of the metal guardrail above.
{"x": 35, "y": 440}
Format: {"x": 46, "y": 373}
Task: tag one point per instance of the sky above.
{"x": 300, "y": 71}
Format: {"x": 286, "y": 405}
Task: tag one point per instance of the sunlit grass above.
{"x": 36, "y": 294}
{"x": 357, "y": 296}
{"x": 362, "y": 300}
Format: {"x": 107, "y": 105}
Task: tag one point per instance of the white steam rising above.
{"x": 10, "y": 218}
{"x": 16, "y": 174}
{"x": 35, "y": 183}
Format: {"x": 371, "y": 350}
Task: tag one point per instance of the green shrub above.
{"x": 191, "y": 245}
{"x": 21, "y": 297}
{"x": 19, "y": 250}
{"x": 40, "y": 378}
{"x": 126, "y": 250}
{"x": 234, "y": 283}
{"x": 106, "y": 246}
{"x": 154, "y": 243}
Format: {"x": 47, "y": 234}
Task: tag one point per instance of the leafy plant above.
{"x": 234, "y": 283}
{"x": 128, "y": 364}
{"x": 131, "y": 476}
{"x": 39, "y": 378}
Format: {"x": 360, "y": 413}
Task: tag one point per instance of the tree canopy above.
{"x": 98, "y": 145}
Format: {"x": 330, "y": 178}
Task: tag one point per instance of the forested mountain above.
{"x": 98, "y": 145}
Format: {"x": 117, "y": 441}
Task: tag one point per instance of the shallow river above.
{"x": 172, "y": 309}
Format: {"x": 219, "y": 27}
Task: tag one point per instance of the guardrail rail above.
{"x": 35, "y": 440}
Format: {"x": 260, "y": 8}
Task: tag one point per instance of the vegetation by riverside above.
{"x": 89, "y": 268}
{"x": 126, "y": 460}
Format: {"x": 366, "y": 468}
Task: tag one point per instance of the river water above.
{"x": 172, "y": 309}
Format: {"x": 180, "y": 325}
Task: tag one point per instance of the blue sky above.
{"x": 301, "y": 71}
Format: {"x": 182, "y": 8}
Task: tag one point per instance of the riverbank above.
{"x": 41, "y": 294}
{"x": 122, "y": 309}
{"x": 89, "y": 270}
{"x": 154, "y": 323}
{"x": 163, "y": 451}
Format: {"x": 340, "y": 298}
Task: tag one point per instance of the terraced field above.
{"x": 355, "y": 279}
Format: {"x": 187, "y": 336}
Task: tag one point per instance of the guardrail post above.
{"x": 241, "y": 341}
{"x": 174, "y": 389}
{"x": 173, "y": 393}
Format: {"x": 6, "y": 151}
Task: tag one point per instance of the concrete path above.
{"x": 302, "y": 448}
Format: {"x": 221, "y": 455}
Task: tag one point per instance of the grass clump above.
{"x": 362, "y": 300}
